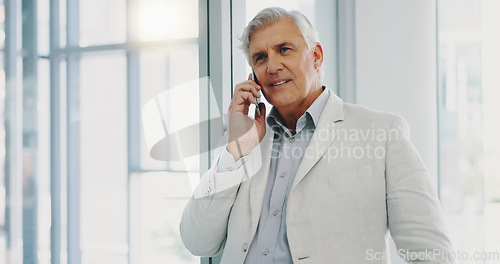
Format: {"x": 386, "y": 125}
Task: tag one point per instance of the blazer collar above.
{"x": 323, "y": 136}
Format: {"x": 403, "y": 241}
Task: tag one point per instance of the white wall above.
{"x": 396, "y": 66}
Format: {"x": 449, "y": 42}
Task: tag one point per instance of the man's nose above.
{"x": 274, "y": 64}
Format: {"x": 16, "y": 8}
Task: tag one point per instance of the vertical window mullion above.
{"x": 13, "y": 140}
{"x": 133, "y": 130}
{"x": 204, "y": 69}
{"x": 346, "y": 55}
{"x": 327, "y": 11}
{"x": 203, "y": 37}
{"x": 30, "y": 131}
{"x": 134, "y": 151}
{"x": 215, "y": 41}
{"x": 73, "y": 132}
{"x": 55, "y": 135}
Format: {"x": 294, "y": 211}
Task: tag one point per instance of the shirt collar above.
{"x": 275, "y": 121}
{"x": 318, "y": 105}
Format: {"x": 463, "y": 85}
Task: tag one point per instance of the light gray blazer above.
{"x": 360, "y": 178}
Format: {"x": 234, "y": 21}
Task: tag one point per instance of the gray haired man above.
{"x": 317, "y": 180}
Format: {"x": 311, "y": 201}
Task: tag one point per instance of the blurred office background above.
{"x": 77, "y": 184}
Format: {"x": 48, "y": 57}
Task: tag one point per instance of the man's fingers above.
{"x": 248, "y": 86}
{"x": 245, "y": 93}
{"x": 241, "y": 102}
{"x": 246, "y": 97}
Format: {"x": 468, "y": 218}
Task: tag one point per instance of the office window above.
{"x": 468, "y": 95}
{"x": 3, "y": 233}
{"x": 159, "y": 198}
{"x": 77, "y": 184}
{"x": 103, "y": 159}
{"x": 102, "y": 22}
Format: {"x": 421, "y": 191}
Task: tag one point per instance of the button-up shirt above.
{"x": 270, "y": 244}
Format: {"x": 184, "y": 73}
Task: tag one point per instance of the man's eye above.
{"x": 259, "y": 58}
{"x": 284, "y": 49}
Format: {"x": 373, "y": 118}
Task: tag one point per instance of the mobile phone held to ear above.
{"x": 254, "y": 77}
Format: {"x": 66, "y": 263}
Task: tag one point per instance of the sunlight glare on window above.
{"x": 161, "y": 20}
{"x": 469, "y": 57}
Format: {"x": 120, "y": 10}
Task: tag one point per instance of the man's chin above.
{"x": 280, "y": 103}
{"x": 278, "y": 99}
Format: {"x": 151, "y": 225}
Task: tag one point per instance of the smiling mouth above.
{"x": 279, "y": 83}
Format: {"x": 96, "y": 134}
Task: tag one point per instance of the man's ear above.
{"x": 318, "y": 55}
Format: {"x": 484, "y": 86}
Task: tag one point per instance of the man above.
{"x": 317, "y": 181}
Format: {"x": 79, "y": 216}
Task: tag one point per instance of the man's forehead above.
{"x": 283, "y": 31}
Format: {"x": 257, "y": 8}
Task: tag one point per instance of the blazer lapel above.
{"x": 259, "y": 181}
{"x": 324, "y": 134}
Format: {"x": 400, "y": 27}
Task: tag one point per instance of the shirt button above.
{"x": 245, "y": 247}
{"x": 231, "y": 169}
{"x": 266, "y": 252}
{"x": 282, "y": 175}
{"x": 275, "y": 212}
{"x": 292, "y": 140}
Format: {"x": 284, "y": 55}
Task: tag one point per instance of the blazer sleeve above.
{"x": 414, "y": 213}
{"x": 204, "y": 222}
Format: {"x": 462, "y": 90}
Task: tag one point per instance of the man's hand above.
{"x": 244, "y": 132}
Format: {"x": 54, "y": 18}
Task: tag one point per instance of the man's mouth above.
{"x": 280, "y": 83}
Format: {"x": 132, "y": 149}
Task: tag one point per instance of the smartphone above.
{"x": 254, "y": 77}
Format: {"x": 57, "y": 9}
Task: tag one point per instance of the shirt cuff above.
{"x": 226, "y": 162}
{"x": 214, "y": 181}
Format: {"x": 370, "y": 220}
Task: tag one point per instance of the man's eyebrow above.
{"x": 286, "y": 43}
{"x": 277, "y": 46}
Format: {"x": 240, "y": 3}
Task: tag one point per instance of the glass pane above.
{"x": 460, "y": 117}
{"x": 2, "y": 23}
{"x": 103, "y": 165}
{"x": 468, "y": 116}
{"x": 102, "y": 22}
{"x": 172, "y": 69}
{"x": 161, "y": 198}
{"x": 64, "y": 175}
{"x": 43, "y": 177}
{"x": 43, "y": 33}
{"x": 490, "y": 67}
{"x": 167, "y": 19}
{"x": 3, "y": 233}
{"x": 62, "y": 23}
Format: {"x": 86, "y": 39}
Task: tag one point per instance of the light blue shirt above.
{"x": 270, "y": 244}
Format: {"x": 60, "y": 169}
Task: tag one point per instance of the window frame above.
{"x": 64, "y": 63}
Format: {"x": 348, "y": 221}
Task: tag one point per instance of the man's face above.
{"x": 286, "y": 69}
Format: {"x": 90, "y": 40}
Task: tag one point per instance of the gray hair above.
{"x": 271, "y": 15}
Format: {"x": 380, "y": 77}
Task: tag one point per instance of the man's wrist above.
{"x": 232, "y": 148}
